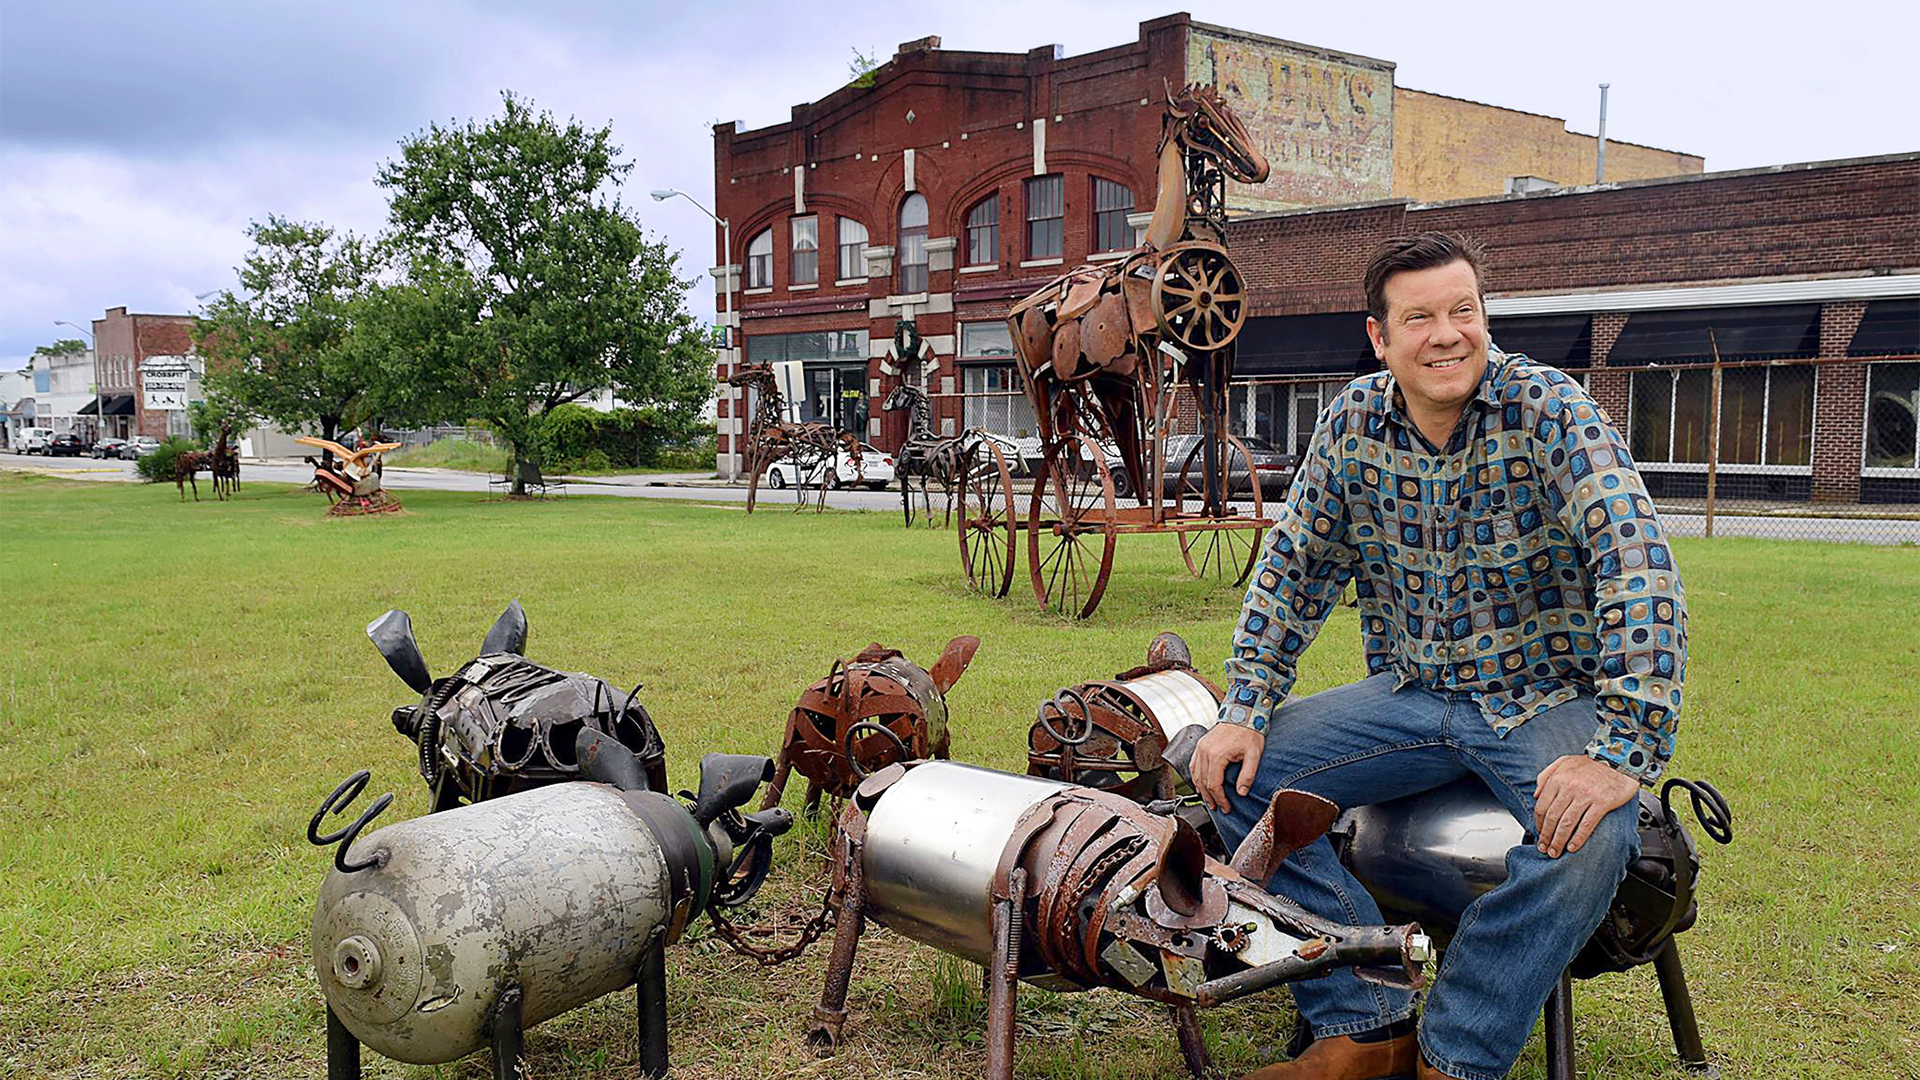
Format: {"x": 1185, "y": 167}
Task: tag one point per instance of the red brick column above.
{"x": 1839, "y": 403}
{"x": 1609, "y": 389}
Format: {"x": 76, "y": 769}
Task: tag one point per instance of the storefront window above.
{"x": 1766, "y": 416}
{"x": 1893, "y": 406}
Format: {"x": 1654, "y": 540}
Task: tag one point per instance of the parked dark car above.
{"x": 1274, "y": 468}
{"x": 108, "y": 447}
{"x": 66, "y": 444}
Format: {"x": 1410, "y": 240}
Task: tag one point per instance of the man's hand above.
{"x": 1219, "y": 748}
{"x": 1571, "y": 795}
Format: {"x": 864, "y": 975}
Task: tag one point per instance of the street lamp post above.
{"x": 726, "y": 285}
{"x": 99, "y": 399}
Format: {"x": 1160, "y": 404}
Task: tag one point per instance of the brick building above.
{"x": 958, "y": 181}
{"x": 126, "y": 346}
{"x": 1805, "y": 279}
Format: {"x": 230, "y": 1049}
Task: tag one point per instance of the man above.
{"x": 1523, "y": 623}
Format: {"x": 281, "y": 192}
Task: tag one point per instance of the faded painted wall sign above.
{"x": 1324, "y": 120}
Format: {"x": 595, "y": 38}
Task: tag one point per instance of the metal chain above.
{"x": 810, "y": 933}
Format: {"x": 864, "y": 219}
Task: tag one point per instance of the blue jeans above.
{"x": 1366, "y": 743}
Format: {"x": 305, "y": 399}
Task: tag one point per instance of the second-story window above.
{"x": 853, "y": 249}
{"x": 804, "y": 269}
{"x": 1111, "y": 204}
{"x": 983, "y": 232}
{"x": 912, "y": 248}
{"x": 760, "y": 260}
{"x": 1046, "y": 216}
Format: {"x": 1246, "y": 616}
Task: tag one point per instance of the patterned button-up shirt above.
{"x": 1521, "y": 564}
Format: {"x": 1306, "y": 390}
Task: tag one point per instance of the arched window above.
{"x": 1111, "y": 204}
{"x": 760, "y": 260}
{"x": 853, "y": 249}
{"x": 983, "y": 232}
{"x": 803, "y": 266}
{"x": 911, "y": 251}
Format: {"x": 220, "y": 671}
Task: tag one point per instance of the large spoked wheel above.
{"x": 1198, "y": 298}
{"x": 1071, "y": 528}
{"x": 986, "y": 520}
{"x": 1227, "y": 552}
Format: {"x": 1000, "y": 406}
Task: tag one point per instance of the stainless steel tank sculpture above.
{"x": 871, "y": 711}
{"x": 440, "y": 936}
{"x": 502, "y": 723}
{"x": 1113, "y": 733}
{"x": 1072, "y": 888}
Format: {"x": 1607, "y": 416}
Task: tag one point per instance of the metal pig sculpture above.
{"x": 1072, "y": 888}
{"x": 1112, "y": 734}
{"x": 874, "y": 710}
{"x": 503, "y": 723}
{"x": 436, "y": 937}
{"x": 1426, "y": 857}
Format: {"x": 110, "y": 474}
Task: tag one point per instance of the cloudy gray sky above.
{"x": 138, "y": 140}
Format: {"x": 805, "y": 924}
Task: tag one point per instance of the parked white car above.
{"x": 876, "y": 470}
{"x": 33, "y": 440}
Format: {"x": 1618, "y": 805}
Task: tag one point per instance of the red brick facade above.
{"x": 123, "y": 342}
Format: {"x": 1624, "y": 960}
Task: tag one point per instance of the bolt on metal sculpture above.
{"x": 454, "y": 932}
{"x": 871, "y": 711}
{"x": 810, "y": 446}
{"x": 352, "y": 485}
{"x": 1072, "y": 888}
{"x": 502, "y": 723}
{"x": 1103, "y": 350}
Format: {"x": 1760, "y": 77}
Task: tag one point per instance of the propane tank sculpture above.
{"x": 502, "y": 723}
{"x": 457, "y": 931}
{"x": 1071, "y": 888}
{"x": 1428, "y": 856}
{"x": 871, "y": 711}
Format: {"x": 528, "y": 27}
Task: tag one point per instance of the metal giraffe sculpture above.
{"x": 225, "y": 463}
{"x": 927, "y": 457}
{"x": 769, "y": 437}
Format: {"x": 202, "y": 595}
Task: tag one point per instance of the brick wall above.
{"x": 1839, "y": 401}
{"x": 1449, "y": 148}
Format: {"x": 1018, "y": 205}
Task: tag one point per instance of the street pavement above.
{"x": 706, "y": 488}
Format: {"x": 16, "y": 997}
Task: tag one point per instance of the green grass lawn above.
{"x": 182, "y": 682}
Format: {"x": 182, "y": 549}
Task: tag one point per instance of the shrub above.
{"x": 158, "y": 465}
{"x": 575, "y": 437}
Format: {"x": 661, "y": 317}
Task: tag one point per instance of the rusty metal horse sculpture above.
{"x": 1092, "y": 327}
{"x": 771, "y": 436}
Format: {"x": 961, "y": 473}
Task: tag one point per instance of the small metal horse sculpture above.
{"x": 770, "y": 436}
{"x": 929, "y": 458}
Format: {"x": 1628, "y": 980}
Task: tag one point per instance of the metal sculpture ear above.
{"x": 606, "y": 760}
{"x": 392, "y": 634}
{"x": 509, "y": 633}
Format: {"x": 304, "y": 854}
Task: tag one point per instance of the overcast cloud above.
{"x": 138, "y": 140}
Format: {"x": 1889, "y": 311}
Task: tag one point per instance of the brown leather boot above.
{"x": 1428, "y": 1072}
{"x": 1341, "y": 1058}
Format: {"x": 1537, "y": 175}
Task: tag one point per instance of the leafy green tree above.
{"x": 303, "y": 341}
{"x": 63, "y": 347}
{"x": 532, "y": 286}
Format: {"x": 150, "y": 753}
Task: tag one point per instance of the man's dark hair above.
{"x": 1423, "y": 252}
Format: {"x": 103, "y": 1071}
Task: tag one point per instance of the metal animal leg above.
{"x": 1679, "y": 1002}
{"x": 1003, "y": 975}
{"x": 777, "y": 787}
{"x": 1193, "y": 1043}
{"x": 650, "y": 1002}
{"x": 830, "y": 1016}
{"x": 508, "y": 1035}
{"x": 343, "y": 1050}
{"x": 1560, "y": 1029}
{"x": 812, "y": 806}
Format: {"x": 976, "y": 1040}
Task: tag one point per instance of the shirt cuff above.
{"x": 1249, "y": 705}
{"x": 1627, "y": 756}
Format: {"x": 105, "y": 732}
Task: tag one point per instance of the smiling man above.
{"x": 1523, "y": 623}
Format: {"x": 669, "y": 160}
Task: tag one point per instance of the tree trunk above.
{"x": 519, "y": 479}
{"x": 328, "y": 425}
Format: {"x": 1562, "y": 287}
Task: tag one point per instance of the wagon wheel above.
{"x": 1228, "y": 550}
{"x": 986, "y": 520}
{"x": 1071, "y": 528}
{"x": 1199, "y": 300}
